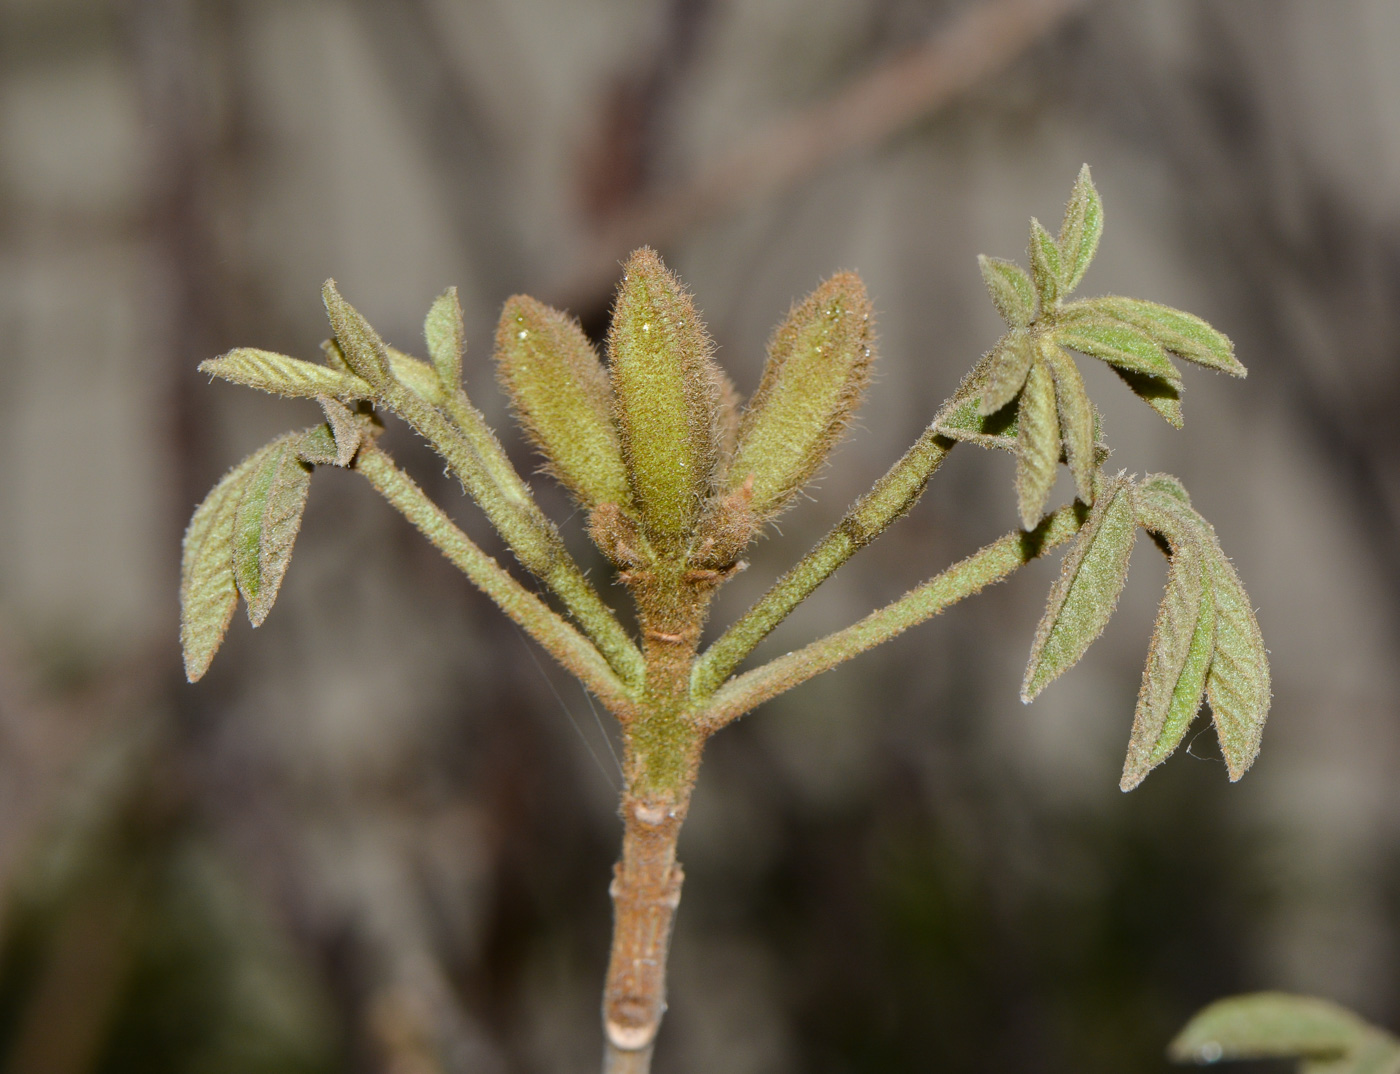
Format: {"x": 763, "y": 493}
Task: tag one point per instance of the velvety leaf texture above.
{"x": 281, "y": 375}
{"x": 666, "y": 396}
{"x": 446, "y": 339}
{"x": 561, "y": 395}
{"x": 1011, "y": 289}
{"x": 1080, "y": 231}
{"x": 266, "y": 524}
{"x": 1076, "y": 415}
{"x": 1037, "y": 444}
{"x": 818, "y": 366}
{"x": 360, "y": 344}
{"x": 1118, "y": 344}
{"x": 1238, "y": 682}
{"x": 1045, "y": 265}
{"x": 1086, "y": 593}
{"x": 1161, "y": 396}
{"x": 208, "y": 593}
{"x": 1006, "y": 371}
{"x": 1275, "y": 1025}
{"x": 416, "y": 375}
{"x": 1177, "y": 331}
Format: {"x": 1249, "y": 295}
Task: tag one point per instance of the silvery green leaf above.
{"x": 1046, "y": 269}
{"x": 1076, "y": 414}
{"x": 962, "y": 419}
{"x": 446, "y": 338}
{"x": 1276, "y": 1025}
{"x": 1006, "y": 371}
{"x": 1177, "y": 331}
{"x": 266, "y": 523}
{"x": 360, "y": 344}
{"x": 1084, "y": 596}
{"x": 281, "y": 375}
{"x": 416, "y": 375}
{"x": 1080, "y": 231}
{"x": 208, "y": 594}
{"x": 1011, "y": 289}
{"x": 1117, "y": 343}
{"x": 1037, "y": 444}
{"x": 1238, "y": 682}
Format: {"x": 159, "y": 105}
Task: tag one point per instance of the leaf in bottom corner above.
{"x": 1276, "y": 1025}
{"x": 208, "y": 592}
{"x": 1083, "y": 599}
{"x": 266, "y": 523}
{"x": 1238, "y": 682}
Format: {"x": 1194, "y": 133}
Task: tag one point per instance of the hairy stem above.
{"x": 559, "y": 639}
{"x": 513, "y": 512}
{"x": 966, "y": 577}
{"x": 893, "y": 495}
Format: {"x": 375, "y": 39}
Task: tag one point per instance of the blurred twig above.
{"x": 983, "y": 40}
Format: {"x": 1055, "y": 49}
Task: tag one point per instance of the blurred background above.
{"x": 377, "y": 837}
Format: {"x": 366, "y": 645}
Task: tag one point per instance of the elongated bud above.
{"x": 360, "y": 345}
{"x": 666, "y": 394}
{"x": 818, "y": 367}
{"x": 561, "y": 394}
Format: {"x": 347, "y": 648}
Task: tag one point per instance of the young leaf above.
{"x": 1158, "y": 394}
{"x": 1174, "y": 681}
{"x": 266, "y": 523}
{"x": 333, "y": 443}
{"x": 416, "y": 375}
{"x": 666, "y": 394}
{"x": 1177, "y": 331}
{"x": 818, "y": 367}
{"x": 1080, "y": 231}
{"x": 961, "y": 419}
{"x": 1238, "y": 682}
{"x": 360, "y": 344}
{"x": 1012, "y": 292}
{"x": 561, "y": 395}
{"x": 1046, "y": 269}
{"x": 1275, "y": 1025}
{"x": 1006, "y": 372}
{"x": 1119, "y": 344}
{"x": 446, "y": 339}
{"x": 281, "y": 375}
{"x": 1086, "y": 593}
{"x": 208, "y": 594}
{"x": 1037, "y": 444}
{"x": 1076, "y": 418}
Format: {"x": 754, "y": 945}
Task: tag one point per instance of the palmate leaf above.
{"x": 208, "y": 592}
{"x": 1037, "y": 444}
{"x": 266, "y": 523}
{"x": 1086, "y": 593}
{"x": 1275, "y": 1025}
{"x": 1011, "y": 289}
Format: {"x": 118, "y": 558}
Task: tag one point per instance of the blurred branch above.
{"x": 982, "y": 41}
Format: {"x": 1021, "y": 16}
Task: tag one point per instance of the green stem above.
{"x": 892, "y": 496}
{"x": 512, "y": 510}
{"x": 559, "y": 639}
{"x": 966, "y": 577}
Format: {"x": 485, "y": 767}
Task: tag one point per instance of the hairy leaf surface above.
{"x": 360, "y": 344}
{"x": 1080, "y": 231}
{"x": 1161, "y": 396}
{"x": 281, "y": 375}
{"x": 1182, "y": 333}
{"x": 1011, "y": 289}
{"x": 1238, "y": 682}
{"x": 1006, "y": 371}
{"x": 446, "y": 338}
{"x": 1045, "y": 265}
{"x": 1117, "y": 343}
{"x": 1037, "y": 444}
{"x": 266, "y": 523}
{"x": 1076, "y": 415}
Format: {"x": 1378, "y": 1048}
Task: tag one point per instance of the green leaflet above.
{"x": 561, "y": 395}
{"x": 1276, "y": 1025}
{"x": 1238, "y": 683}
{"x": 281, "y": 375}
{"x": 1174, "y": 680}
{"x": 266, "y": 523}
{"x": 667, "y": 398}
{"x": 446, "y": 339}
{"x": 818, "y": 366}
{"x": 208, "y": 593}
{"x": 359, "y": 344}
{"x": 1037, "y": 444}
{"x": 1080, "y": 231}
{"x": 1119, "y": 344}
{"x": 1158, "y": 394}
{"x": 1076, "y": 415}
{"x": 1011, "y": 289}
{"x": 1182, "y": 333}
{"x": 1045, "y": 265}
{"x": 1006, "y": 371}
{"x": 416, "y": 375}
{"x": 1086, "y": 593}
{"x": 333, "y": 443}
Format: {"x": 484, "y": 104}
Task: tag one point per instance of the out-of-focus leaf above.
{"x": 1275, "y": 1025}
{"x": 446, "y": 339}
{"x": 416, "y": 375}
{"x": 1037, "y": 444}
{"x": 1011, "y": 289}
{"x": 1182, "y": 333}
{"x": 1080, "y": 231}
{"x": 1117, "y": 343}
{"x": 281, "y": 375}
{"x": 1086, "y": 593}
{"x": 1076, "y": 414}
{"x": 208, "y": 593}
{"x": 266, "y": 523}
{"x": 1006, "y": 371}
{"x": 360, "y": 344}
{"x": 1046, "y": 269}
